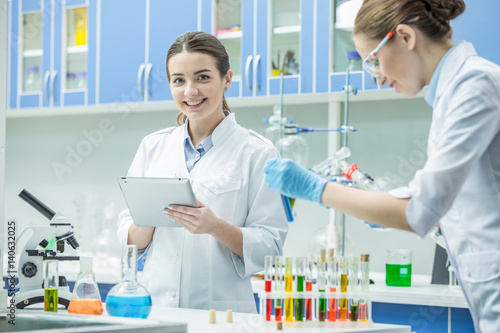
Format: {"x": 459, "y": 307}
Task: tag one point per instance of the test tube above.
{"x": 365, "y": 283}
{"x": 322, "y": 284}
{"x": 309, "y": 282}
{"x": 268, "y": 266}
{"x": 288, "y": 288}
{"x": 343, "y": 310}
{"x": 353, "y": 287}
{"x": 278, "y": 287}
{"x": 51, "y": 284}
{"x": 299, "y": 302}
{"x": 332, "y": 283}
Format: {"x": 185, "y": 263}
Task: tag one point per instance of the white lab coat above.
{"x": 459, "y": 186}
{"x": 196, "y": 271}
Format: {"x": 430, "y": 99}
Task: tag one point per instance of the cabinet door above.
{"x": 167, "y": 21}
{"x": 122, "y": 51}
{"x": 13, "y": 55}
{"x": 78, "y": 49}
{"x": 261, "y": 61}
{"x": 32, "y": 39}
{"x": 247, "y": 46}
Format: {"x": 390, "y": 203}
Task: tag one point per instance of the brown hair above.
{"x": 376, "y": 18}
{"x": 200, "y": 42}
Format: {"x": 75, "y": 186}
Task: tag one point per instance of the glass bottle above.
{"x": 51, "y": 284}
{"x": 129, "y": 298}
{"x": 86, "y": 298}
{"x": 294, "y": 147}
{"x": 32, "y": 80}
{"x": 81, "y": 78}
{"x": 355, "y": 63}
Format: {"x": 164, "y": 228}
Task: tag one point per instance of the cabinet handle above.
{"x": 139, "y": 75}
{"x": 247, "y": 70}
{"x": 52, "y": 79}
{"x": 255, "y": 66}
{"x": 45, "y": 86}
{"x": 146, "y": 80}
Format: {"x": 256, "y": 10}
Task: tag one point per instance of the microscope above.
{"x": 35, "y": 251}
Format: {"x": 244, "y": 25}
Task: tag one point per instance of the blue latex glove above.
{"x": 374, "y": 226}
{"x": 290, "y": 179}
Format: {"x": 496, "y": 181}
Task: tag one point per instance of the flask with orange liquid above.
{"x": 86, "y": 298}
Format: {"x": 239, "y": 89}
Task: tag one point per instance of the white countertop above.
{"x": 421, "y": 292}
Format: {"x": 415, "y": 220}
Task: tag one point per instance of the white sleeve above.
{"x": 472, "y": 122}
{"x": 136, "y": 170}
{"x": 266, "y": 225}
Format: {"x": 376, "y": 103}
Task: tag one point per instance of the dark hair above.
{"x": 201, "y": 42}
{"x": 376, "y": 18}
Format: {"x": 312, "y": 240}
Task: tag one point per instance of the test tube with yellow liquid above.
{"x": 353, "y": 288}
{"x": 288, "y": 288}
{"x": 51, "y": 284}
{"x": 343, "y": 306}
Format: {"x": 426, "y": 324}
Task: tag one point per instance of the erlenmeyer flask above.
{"x": 129, "y": 298}
{"x": 327, "y": 237}
{"x": 86, "y": 298}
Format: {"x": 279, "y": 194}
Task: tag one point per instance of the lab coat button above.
{"x": 173, "y": 294}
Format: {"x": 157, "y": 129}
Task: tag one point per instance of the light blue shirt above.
{"x": 192, "y": 154}
{"x": 431, "y": 91}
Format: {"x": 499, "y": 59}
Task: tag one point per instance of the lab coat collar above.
{"x": 455, "y": 60}
{"x": 224, "y": 129}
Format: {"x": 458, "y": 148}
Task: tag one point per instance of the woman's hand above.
{"x": 199, "y": 220}
{"x": 202, "y": 220}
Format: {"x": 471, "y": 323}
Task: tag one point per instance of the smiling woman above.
{"x": 207, "y": 262}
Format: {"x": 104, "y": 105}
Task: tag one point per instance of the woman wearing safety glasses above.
{"x": 407, "y": 44}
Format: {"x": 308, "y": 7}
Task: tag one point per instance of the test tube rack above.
{"x": 352, "y": 314}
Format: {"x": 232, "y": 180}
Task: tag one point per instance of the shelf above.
{"x": 230, "y": 35}
{"x": 76, "y": 49}
{"x": 234, "y": 102}
{"x": 32, "y": 53}
{"x": 286, "y": 30}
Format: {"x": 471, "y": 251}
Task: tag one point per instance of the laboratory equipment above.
{"x": 355, "y": 62}
{"x": 129, "y": 298}
{"x": 398, "y": 268}
{"x": 85, "y": 298}
{"x": 276, "y": 123}
{"x": 51, "y": 283}
{"x": 268, "y": 275}
{"x": 299, "y": 302}
{"x": 365, "y": 284}
{"x": 322, "y": 285}
{"x": 278, "y": 287}
{"x": 294, "y": 147}
{"x": 311, "y": 307}
{"x": 343, "y": 304}
{"x": 81, "y": 79}
{"x": 332, "y": 267}
{"x": 353, "y": 287}
{"x": 37, "y": 249}
{"x": 310, "y": 266}
{"x": 32, "y": 82}
{"x": 288, "y": 288}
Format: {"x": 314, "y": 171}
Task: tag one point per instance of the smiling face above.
{"x": 197, "y": 86}
{"x": 400, "y": 65}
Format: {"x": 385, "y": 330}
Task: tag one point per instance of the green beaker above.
{"x": 398, "y": 268}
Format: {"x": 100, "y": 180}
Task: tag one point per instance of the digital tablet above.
{"x": 147, "y": 198}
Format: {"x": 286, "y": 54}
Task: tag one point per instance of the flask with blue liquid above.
{"x": 129, "y": 298}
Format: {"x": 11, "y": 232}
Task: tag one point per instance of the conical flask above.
{"x": 86, "y": 298}
{"x": 129, "y": 298}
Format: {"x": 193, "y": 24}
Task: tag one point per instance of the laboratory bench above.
{"x": 191, "y": 321}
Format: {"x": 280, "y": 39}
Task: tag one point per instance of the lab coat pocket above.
{"x": 479, "y": 267}
{"x": 221, "y": 193}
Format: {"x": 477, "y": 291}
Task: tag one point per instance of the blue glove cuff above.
{"x": 317, "y": 190}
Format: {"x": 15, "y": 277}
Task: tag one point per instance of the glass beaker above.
{"x": 398, "y": 268}
{"x": 51, "y": 285}
{"x": 85, "y": 298}
{"x": 129, "y": 298}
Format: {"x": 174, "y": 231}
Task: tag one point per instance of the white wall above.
{"x": 386, "y": 134}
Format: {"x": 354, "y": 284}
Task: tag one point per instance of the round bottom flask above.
{"x": 129, "y": 298}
